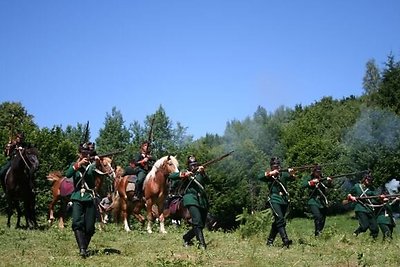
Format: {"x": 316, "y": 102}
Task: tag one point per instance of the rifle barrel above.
{"x": 306, "y": 167}
{"x": 378, "y": 196}
{"x": 346, "y": 174}
{"x": 216, "y": 159}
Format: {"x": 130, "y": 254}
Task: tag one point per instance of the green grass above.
{"x": 335, "y": 247}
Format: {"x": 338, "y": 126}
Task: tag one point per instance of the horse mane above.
{"x": 158, "y": 164}
{"x": 119, "y": 171}
{"x": 107, "y": 160}
{"x": 54, "y": 176}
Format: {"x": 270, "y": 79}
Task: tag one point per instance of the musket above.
{"x": 305, "y": 167}
{"x": 150, "y": 137}
{"x": 346, "y": 201}
{"x": 109, "y": 154}
{"x": 379, "y": 196}
{"x": 345, "y": 174}
{"x": 216, "y": 159}
{"x": 85, "y": 137}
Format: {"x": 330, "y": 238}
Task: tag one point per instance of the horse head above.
{"x": 28, "y": 157}
{"x": 171, "y": 164}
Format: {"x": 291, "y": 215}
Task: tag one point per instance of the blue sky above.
{"x": 206, "y": 62}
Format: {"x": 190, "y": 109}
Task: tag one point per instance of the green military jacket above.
{"x": 147, "y": 167}
{"x": 317, "y": 193}
{"x": 277, "y": 187}
{"x": 89, "y": 175}
{"x": 360, "y": 190}
{"x": 194, "y": 194}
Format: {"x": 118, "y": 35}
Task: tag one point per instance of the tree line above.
{"x": 344, "y": 135}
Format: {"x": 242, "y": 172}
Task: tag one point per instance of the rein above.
{"x": 23, "y": 158}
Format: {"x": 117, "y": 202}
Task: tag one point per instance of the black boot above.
{"x": 88, "y": 238}
{"x": 200, "y": 238}
{"x": 138, "y": 191}
{"x": 187, "y": 238}
{"x": 82, "y": 243}
{"x": 286, "y": 241}
{"x": 272, "y": 236}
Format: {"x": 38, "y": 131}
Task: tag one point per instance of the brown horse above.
{"x": 124, "y": 202}
{"x": 18, "y": 186}
{"x": 156, "y": 189}
{"x": 63, "y": 187}
{"x": 176, "y": 211}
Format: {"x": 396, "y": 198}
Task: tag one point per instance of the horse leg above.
{"x": 30, "y": 216}
{"x": 19, "y": 215}
{"x": 51, "y": 209}
{"x": 149, "y": 208}
{"x": 161, "y": 217}
{"x": 124, "y": 212}
{"x": 9, "y": 213}
{"x": 162, "y": 225}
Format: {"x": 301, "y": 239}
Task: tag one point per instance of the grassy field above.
{"x": 336, "y": 247}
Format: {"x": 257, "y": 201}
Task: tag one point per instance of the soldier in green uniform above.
{"x": 385, "y": 218}
{"x": 10, "y": 151}
{"x": 278, "y": 199}
{"x": 194, "y": 199}
{"x": 143, "y": 163}
{"x": 83, "y": 173}
{"x": 318, "y": 200}
{"x": 364, "y": 207}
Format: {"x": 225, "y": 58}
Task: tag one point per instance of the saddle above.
{"x": 131, "y": 183}
{"x": 175, "y": 204}
{"x": 66, "y": 187}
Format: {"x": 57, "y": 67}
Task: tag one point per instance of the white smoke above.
{"x": 392, "y": 186}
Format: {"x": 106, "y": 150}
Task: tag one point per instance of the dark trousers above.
{"x": 366, "y": 221}
{"x": 386, "y": 229}
{"x": 279, "y": 212}
{"x": 199, "y": 216}
{"x": 84, "y": 217}
{"x": 319, "y": 215}
{"x": 141, "y": 175}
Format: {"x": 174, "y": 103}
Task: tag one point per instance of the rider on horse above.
{"x": 143, "y": 162}
{"x": 10, "y": 151}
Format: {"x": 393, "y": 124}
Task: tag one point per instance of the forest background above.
{"x": 344, "y": 135}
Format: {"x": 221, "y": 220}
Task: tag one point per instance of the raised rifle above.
{"x": 305, "y": 167}
{"x": 346, "y": 201}
{"x": 193, "y": 178}
{"x": 345, "y": 174}
{"x": 85, "y": 137}
{"x": 379, "y": 196}
{"x": 150, "y": 137}
{"x": 215, "y": 160}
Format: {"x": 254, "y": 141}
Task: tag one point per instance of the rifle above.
{"x": 109, "y": 154}
{"x": 85, "y": 137}
{"x": 149, "y": 139}
{"x": 305, "y": 167}
{"x": 379, "y": 196}
{"x": 215, "y": 160}
{"x": 345, "y": 201}
{"x": 345, "y": 174}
